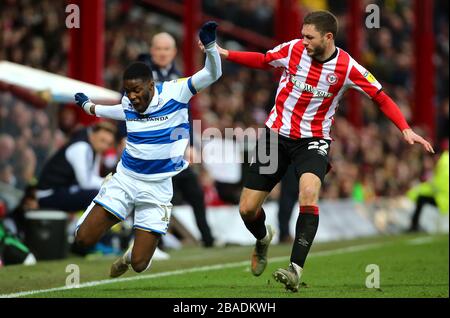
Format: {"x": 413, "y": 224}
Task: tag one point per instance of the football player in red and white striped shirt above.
{"x": 315, "y": 76}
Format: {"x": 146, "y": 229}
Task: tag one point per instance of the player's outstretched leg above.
{"x": 290, "y": 276}
{"x": 305, "y": 231}
{"x": 306, "y": 228}
{"x": 254, "y": 219}
{"x": 139, "y": 254}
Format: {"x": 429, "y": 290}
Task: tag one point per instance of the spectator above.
{"x": 7, "y": 174}
{"x": 32, "y": 33}
{"x": 163, "y": 51}
{"x": 7, "y": 145}
{"x": 71, "y": 178}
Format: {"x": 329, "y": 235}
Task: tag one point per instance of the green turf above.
{"x": 410, "y": 266}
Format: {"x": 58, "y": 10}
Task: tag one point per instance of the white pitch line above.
{"x": 186, "y": 271}
{"x": 421, "y": 240}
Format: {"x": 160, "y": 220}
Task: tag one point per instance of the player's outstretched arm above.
{"x": 391, "y": 111}
{"x": 213, "y": 65}
{"x": 411, "y": 137}
{"x": 364, "y": 81}
{"x": 249, "y": 59}
{"x": 111, "y": 112}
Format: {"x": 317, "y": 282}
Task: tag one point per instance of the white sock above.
{"x": 127, "y": 256}
{"x": 148, "y": 266}
{"x": 298, "y": 269}
{"x": 265, "y": 239}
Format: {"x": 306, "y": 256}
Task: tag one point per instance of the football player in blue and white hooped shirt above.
{"x": 158, "y": 134}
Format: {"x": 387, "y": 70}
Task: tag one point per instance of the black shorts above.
{"x": 274, "y": 153}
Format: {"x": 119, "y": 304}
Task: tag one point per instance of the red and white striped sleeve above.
{"x": 277, "y": 57}
{"x": 280, "y": 55}
{"x": 362, "y": 80}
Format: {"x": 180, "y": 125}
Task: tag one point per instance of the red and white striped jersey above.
{"x": 309, "y": 91}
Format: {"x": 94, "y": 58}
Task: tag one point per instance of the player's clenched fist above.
{"x": 207, "y": 33}
{"x": 83, "y": 101}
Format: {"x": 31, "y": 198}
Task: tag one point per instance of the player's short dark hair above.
{"x": 324, "y": 21}
{"x": 138, "y": 70}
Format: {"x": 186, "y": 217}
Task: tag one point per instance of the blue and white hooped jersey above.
{"x": 157, "y": 139}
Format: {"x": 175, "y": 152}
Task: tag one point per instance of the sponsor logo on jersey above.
{"x": 309, "y": 88}
{"x": 148, "y": 118}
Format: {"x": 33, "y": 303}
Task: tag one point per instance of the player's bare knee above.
{"x": 139, "y": 267}
{"x": 247, "y": 210}
{"x": 139, "y": 264}
{"x": 309, "y": 195}
{"x": 83, "y": 239}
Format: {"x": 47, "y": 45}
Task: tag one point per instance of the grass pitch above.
{"x": 409, "y": 265}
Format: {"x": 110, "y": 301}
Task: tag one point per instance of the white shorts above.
{"x": 150, "y": 201}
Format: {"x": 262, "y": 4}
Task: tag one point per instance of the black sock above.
{"x": 256, "y": 224}
{"x": 305, "y": 231}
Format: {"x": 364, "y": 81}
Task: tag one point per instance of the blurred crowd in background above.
{"x": 367, "y": 163}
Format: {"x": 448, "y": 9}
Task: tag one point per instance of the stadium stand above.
{"x": 32, "y": 35}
